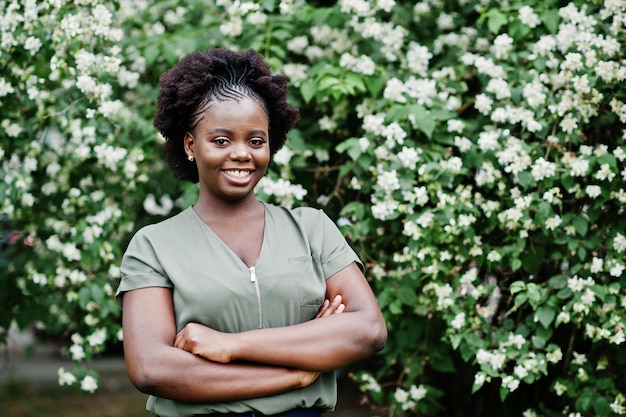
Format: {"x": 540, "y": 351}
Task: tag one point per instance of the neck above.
{"x": 224, "y": 210}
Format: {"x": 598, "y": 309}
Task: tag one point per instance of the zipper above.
{"x": 255, "y": 281}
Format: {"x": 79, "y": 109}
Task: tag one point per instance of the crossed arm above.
{"x": 200, "y": 364}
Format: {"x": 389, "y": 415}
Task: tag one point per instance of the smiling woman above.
{"x": 232, "y": 150}
{"x": 234, "y": 307}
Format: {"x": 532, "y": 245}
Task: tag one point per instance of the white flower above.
{"x": 528, "y": 17}
{"x": 298, "y": 44}
{"x": 579, "y": 359}
{"x": 463, "y": 143}
{"x": 417, "y": 393}
{"x": 616, "y": 270}
{"x": 364, "y": 143}
{"x": 456, "y": 126}
{"x": 488, "y": 141}
{"x": 593, "y": 191}
{"x": 605, "y": 173}
{"x": 394, "y": 91}
{"x": 554, "y": 356}
{"x": 65, "y": 378}
{"x": 327, "y": 124}
{"x": 89, "y": 384}
{"x": 152, "y": 207}
{"x": 32, "y": 45}
{"x": 483, "y": 104}
{"x": 401, "y": 395}
{"x": 77, "y": 352}
{"x": 499, "y": 87}
{"x": 494, "y": 256}
{"x": 409, "y": 157}
{"x": 417, "y": 58}
{"x": 596, "y": 265}
{"x": 578, "y": 167}
{"x": 97, "y": 338}
{"x": 560, "y": 388}
{"x": 543, "y": 169}
{"x": 520, "y": 371}
{"x": 458, "y": 322}
{"x": 510, "y": 383}
{"x": 283, "y": 156}
{"x": 388, "y": 181}
{"x": 502, "y": 44}
{"x": 497, "y": 360}
{"x": 619, "y": 242}
{"x": 553, "y": 222}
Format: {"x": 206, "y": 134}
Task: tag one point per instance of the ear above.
{"x": 188, "y": 144}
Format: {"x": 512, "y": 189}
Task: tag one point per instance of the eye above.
{"x": 257, "y": 141}
{"x": 220, "y": 141}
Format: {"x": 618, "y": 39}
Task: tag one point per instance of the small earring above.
{"x": 190, "y": 158}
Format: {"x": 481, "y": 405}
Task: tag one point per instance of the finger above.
{"x": 340, "y": 309}
{"x": 336, "y": 302}
{"x": 323, "y": 309}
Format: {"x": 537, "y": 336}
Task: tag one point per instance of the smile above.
{"x": 240, "y": 175}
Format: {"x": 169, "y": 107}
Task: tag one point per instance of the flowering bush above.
{"x": 472, "y": 151}
{"x": 72, "y": 171}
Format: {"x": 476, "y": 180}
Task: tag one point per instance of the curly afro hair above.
{"x": 200, "y": 77}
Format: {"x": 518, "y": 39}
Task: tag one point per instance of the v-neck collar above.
{"x": 228, "y": 248}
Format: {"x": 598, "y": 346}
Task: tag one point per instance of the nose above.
{"x": 240, "y": 152}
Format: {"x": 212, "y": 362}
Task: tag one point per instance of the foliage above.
{"x": 472, "y": 151}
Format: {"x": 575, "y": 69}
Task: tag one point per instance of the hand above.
{"x": 306, "y": 378}
{"x": 328, "y": 308}
{"x": 206, "y": 342}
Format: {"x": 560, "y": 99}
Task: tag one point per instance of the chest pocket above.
{"x": 310, "y": 282}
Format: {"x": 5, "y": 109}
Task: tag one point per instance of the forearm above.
{"x": 179, "y": 375}
{"x": 324, "y": 344}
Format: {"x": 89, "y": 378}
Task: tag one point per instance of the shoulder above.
{"x": 301, "y": 215}
{"x": 168, "y": 228}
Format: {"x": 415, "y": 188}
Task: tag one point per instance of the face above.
{"x": 231, "y": 147}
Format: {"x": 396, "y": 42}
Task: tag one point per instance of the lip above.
{"x": 238, "y": 176}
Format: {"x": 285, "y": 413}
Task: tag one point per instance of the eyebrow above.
{"x": 227, "y": 131}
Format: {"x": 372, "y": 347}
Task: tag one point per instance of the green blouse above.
{"x": 301, "y": 248}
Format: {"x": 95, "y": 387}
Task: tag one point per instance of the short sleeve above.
{"x": 140, "y": 267}
{"x": 329, "y": 244}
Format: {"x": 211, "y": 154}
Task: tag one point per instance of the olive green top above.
{"x": 301, "y": 248}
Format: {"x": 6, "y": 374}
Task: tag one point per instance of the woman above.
{"x": 235, "y": 307}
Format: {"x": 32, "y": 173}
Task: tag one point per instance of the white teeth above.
{"x": 237, "y": 174}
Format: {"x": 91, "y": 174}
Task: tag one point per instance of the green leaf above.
{"x": 546, "y": 316}
{"x": 455, "y": 341}
{"x": 395, "y": 307}
{"x": 601, "y": 406}
{"x": 517, "y": 286}
{"x": 581, "y": 225}
{"x": 550, "y": 19}
{"x": 532, "y": 259}
{"x": 374, "y": 85}
{"x": 441, "y": 360}
{"x": 535, "y": 294}
{"x": 526, "y": 179}
{"x": 328, "y": 81}
{"x": 308, "y": 90}
{"x": 423, "y": 119}
{"x": 268, "y": 5}
{"x": 496, "y": 20}
{"x": 516, "y": 264}
{"x": 558, "y": 282}
{"x": 538, "y": 342}
{"x": 351, "y": 147}
{"x": 503, "y": 393}
{"x": 152, "y": 53}
{"x": 583, "y": 403}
